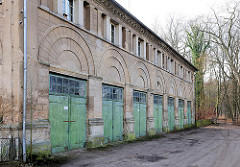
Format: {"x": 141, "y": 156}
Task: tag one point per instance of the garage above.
{"x": 158, "y": 113}
{"x": 171, "y": 113}
{"x": 112, "y": 112}
{"x": 67, "y": 113}
{"x": 189, "y": 112}
{"x": 139, "y": 113}
{"x": 181, "y": 113}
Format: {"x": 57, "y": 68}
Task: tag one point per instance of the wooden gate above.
{"x": 67, "y": 113}
{"x": 112, "y": 113}
{"x": 189, "y": 112}
{"x": 139, "y": 113}
{"x": 158, "y": 113}
{"x": 171, "y": 113}
{"x": 181, "y": 113}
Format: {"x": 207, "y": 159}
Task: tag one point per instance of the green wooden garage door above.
{"x": 67, "y": 113}
{"x": 139, "y": 113}
{"x": 181, "y": 113}
{"x": 171, "y": 113}
{"x": 158, "y": 113}
{"x": 112, "y": 113}
{"x": 189, "y": 112}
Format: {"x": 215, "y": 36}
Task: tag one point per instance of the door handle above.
{"x": 65, "y": 121}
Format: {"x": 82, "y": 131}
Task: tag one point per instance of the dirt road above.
{"x": 212, "y": 146}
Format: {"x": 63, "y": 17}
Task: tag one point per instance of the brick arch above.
{"x": 140, "y": 75}
{"x": 65, "y": 47}
{"x": 113, "y": 67}
{"x": 160, "y": 82}
{"x": 171, "y": 86}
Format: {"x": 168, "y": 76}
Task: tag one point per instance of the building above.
{"x": 96, "y": 74}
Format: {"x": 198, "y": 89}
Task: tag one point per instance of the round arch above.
{"x": 65, "y": 47}
{"x": 181, "y": 90}
{"x": 160, "y": 82}
{"x": 171, "y": 86}
{"x": 113, "y": 67}
{"x": 140, "y": 75}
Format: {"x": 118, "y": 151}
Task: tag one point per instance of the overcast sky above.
{"x": 148, "y": 10}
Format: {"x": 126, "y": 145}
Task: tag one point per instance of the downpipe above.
{"x": 24, "y": 82}
{"x": 195, "y": 99}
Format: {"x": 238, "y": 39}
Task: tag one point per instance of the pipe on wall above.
{"x": 24, "y": 82}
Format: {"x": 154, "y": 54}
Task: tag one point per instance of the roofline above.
{"x": 144, "y": 26}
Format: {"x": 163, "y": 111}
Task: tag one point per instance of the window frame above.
{"x": 68, "y": 9}
{"x": 112, "y": 33}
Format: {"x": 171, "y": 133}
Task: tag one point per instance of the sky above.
{"x": 147, "y": 11}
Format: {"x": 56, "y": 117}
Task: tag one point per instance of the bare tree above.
{"x": 173, "y": 33}
{"x": 225, "y": 38}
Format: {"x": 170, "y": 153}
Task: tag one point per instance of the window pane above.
{"x": 77, "y": 91}
{"x": 59, "y": 81}
{"x": 71, "y": 91}
{"x": 64, "y": 6}
{"x": 52, "y": 80}
{"x": 77, "y": 84}
{"x": 65, "y": 90}
{"x": 54, "y": 89}
{"x": 71, "y": 83}
{"x": 59, "y": 89}
{"x": 65, "y": 82}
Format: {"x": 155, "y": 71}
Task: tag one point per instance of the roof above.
{"x": 148, "y": 29}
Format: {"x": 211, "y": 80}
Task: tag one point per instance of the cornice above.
{"x": 133, "y": 22}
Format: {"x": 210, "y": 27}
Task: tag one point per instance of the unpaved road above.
{"x": 212, "y": 146}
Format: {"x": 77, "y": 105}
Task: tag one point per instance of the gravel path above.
{"x": 212, "y": 146}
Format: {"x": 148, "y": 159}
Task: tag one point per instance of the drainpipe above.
{"x": 24, "y": 81}
{"x": 195, "y": 100}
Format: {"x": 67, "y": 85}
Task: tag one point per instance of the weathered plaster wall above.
{"x": 10, "y": 66}
{"x": 56, "y": 45}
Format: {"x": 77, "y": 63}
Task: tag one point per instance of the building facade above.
{"x": 96, "y": 75}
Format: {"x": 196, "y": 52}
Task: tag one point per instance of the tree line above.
{"x": 212, "y": 44}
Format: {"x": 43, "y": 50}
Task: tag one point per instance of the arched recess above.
{"x": 171, "y": 86}
{"x": 140, "y": 75}
{"x": 189, "y": 91}
{"x": 160, "y": 82}
{"x": 181, "y": 90}
{"x": 113, "y": 67}
{"x": 65, "y": 47}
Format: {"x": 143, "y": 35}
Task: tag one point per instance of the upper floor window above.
{"x": 68, "y": 9}
{"x": 158, "y": 59}
{"x": 86, "y": 15}
{"x": 163, "y": 61}
{"x": 181, "y": 71}
{"x": 188, "y": 76}
{"x": 148, "y": 51}
{"x": 124, "y": 37}
{"x": 169, "y": 67}
{"x": 134, "y": 44}
{"x": 113, "y": 31}
{"x": 139, "y": 48}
